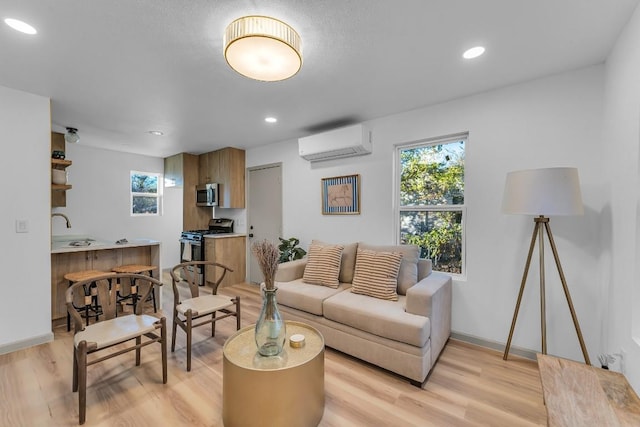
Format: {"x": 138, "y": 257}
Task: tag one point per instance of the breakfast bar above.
{"x": 79, "y": 253}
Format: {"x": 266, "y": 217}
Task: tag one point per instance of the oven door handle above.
{"x": 191, "y": 242}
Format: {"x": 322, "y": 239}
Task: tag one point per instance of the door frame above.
{"x": 248, "y": 207}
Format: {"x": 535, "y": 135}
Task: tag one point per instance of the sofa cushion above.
{"x": 376, "y": 274}
{"x": 303, "y": 296}
{"x": 383, "y": 318}
{"x": 408, "y": 275}
{"x": 323, "y": 265}
{"x": 348, "y": 262}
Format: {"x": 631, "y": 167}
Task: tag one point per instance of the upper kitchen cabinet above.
{"x": 227, "y": 168}
{"x": 59, "y": 191}
{"x": 182, "y": 170}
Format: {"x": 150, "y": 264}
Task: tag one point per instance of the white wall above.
{"x": 99, "y": 204}
{"x": 621, "y": 215}
{"x": 25, "y": 258}
{"x": 550, "y": 122}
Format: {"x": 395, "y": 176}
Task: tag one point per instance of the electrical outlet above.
{"x": 623, "y": 358}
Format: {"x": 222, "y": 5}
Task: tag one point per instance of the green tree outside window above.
{"x": 432, "y": 201}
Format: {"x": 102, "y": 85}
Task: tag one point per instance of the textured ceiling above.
{"x": 116, "y": 69}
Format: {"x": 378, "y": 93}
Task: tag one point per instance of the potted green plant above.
{"x": 289, "y": 249}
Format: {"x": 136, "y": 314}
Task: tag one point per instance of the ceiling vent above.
{"x": 335, "y": 144}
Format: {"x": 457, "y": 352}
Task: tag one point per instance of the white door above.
{"x": 264, "y": 214}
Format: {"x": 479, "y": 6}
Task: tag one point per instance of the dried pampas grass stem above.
{"x": 267, "y": 255}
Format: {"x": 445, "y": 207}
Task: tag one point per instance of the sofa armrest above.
{"x": 431, "y": 297}
{"x": 291, "y": 270}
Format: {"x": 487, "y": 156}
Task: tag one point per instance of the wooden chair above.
{"x": 185, "y": 311}
{"x": 133, "y": 289}
{"x": 88, "y": 311}
{"x": 110, "y": 331}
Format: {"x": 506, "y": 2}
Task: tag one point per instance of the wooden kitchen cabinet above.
{"x": 183, "y": 169}
{"x": 229, "y": 251}
{"x": 227, "y": 168}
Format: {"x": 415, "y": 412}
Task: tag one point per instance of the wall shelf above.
{"x": 60, "y": 187}
{"x": 59, "y": 191}
{"x": 62, "y": 163}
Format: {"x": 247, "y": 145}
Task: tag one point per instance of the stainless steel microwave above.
{"x": 207, "y": 195}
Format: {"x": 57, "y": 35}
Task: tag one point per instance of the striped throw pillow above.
{"x": 376, "y": 274}
{"x": 323, "y": 265}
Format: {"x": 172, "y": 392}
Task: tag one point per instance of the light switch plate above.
{"x": 22, "y": 226}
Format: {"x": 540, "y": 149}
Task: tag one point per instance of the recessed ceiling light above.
{"x": 270, "y": 119}
{"x": 156, "y": 132}
{"x": 21, "y": 26}
{"x": 474, "y": 52}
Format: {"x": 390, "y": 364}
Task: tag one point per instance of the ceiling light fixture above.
{"x": 270, "y": 119}
{"x": 474, "y": 52}
{"x": 71, "y": 136}
{"x": 21, "y": 26}
{"x": 263, "y": 48}
{"x": 156, "y": 132}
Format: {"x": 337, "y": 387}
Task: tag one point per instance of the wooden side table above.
{"x": 580, "y": 395}
{"x": 284, "y": 390}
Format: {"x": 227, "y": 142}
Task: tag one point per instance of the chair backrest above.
{"x": 101, "y": 291}
{"x": 187, "y": 272}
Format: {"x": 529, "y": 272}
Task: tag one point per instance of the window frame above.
{"x": 158, "y": 195}
{"x": 462, "y": 208}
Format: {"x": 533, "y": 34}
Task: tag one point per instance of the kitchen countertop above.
{"x": 61, "y": 244}
{"x": 223, "y": 235}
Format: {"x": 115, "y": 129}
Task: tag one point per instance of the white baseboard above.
{"x": 494, "y": 345}
{"x": 30, "y": 342}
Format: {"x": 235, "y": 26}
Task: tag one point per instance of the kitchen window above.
{"x": 146, "y": 193}
{"x": 431, "y": 210}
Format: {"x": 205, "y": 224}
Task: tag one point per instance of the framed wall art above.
{"x": 341, "y": 195}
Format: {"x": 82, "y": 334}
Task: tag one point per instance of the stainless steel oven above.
{"x": 192, "y": 247}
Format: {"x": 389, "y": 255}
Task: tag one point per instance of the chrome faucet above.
{"x": 64, "y": 216}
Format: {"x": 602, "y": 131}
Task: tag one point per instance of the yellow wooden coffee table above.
{"x": 284, "y": 390}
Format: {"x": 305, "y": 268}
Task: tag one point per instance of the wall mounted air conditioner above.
{"x": 347, "y": 141}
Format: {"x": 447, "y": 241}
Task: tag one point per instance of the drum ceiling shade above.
{"x": 262, "y": 48}
{"x": 548, "y": 192}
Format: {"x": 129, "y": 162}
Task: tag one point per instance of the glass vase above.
{"x": 270, "y": 328}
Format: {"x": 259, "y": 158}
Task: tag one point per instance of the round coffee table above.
{"x": 284, "y": 390}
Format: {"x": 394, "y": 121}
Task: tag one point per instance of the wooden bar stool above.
{"x": 90, "y": 303}
{"x": 133, "y": 295}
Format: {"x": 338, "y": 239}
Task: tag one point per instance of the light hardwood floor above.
{"x": 469, "y": 386}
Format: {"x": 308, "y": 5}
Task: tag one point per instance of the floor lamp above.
{"x": 543, "y": 193}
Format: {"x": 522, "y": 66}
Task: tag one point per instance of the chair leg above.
{"x": 74, "y": 386}
{"x": 188, "y": 331}
{"x": 174, "y": 329}
{"x": 153, "y": 296}
{"x": 138, "y": 350}
{"x": 134, "y": 294}
{"x": 82, "y": 380}
{"x": 68, "y": 315}
{"x": 213, "y": 324}
{"x": 237, "y": 313}
{"x": 163, "y": 344}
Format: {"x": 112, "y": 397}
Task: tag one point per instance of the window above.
{"x": 431, "y": 208}
{"x": 145, "y": 193}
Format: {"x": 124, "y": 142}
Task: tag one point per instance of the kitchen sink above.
{"x": 85, "y": 242}
{"x": 76, "y": 241}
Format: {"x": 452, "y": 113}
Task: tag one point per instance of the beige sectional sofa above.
{"x": 404, "y": 336}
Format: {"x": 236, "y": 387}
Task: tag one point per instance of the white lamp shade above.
{"x": 548, "y": 192}
{"x": 263, "y": 48}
